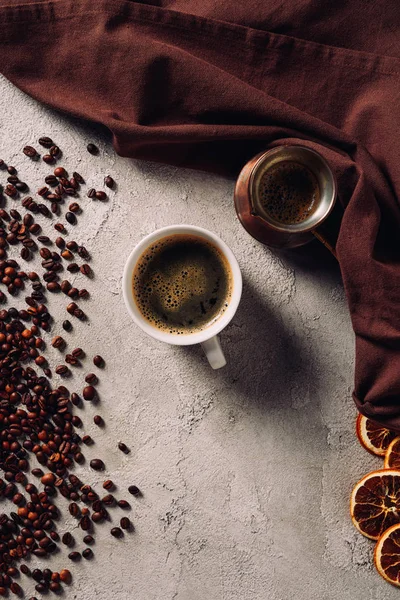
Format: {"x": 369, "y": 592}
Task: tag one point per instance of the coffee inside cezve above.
{"x": 288, "y": 192}
{"x": 182, "y": 284}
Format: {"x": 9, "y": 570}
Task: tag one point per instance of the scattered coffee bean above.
{"x": 134, "y": 490}
{"x": 51, "y": 180}
{"x": 86, "y": 270}
{"x": 29, "y": 151}
{"x": 100, "y": 195}
{"x": 67, "y": 539}
{"x": 58, "y": 342}
{"x": 12, "y": 170}
{"x": 74, "y": 207}
{"x": 91, "y": 193}
{"x": 65, "y": 286}
{"x": 46, "y": 142}
{"x": 48, "y": 159}
{"x": 60, "y": 172}
{"x": 98, "y": 420}
{"x": 98, "y": 361}
{"x": 71, "y": 218}
{"x": 88, "y": 539}
{"x": 91, "y": 378}
{"x": 55, "y": 151}
{"x": 125, "y": 523}
{"x": 71, "y": 308}
{"x": 87, "y": 553}
{"x": 73, "y": 268}
{"x": 75, "y": 556}
{"x": 67, "y": 325}
{"x": 109, "y": 181}
{"x": 86, "y": 439}
{"x": 108, "y": 484}
{"x": 78, "y": 353}
{"x": 123, "y": 447}
{"x": 92, "y": 148}
{"x": 60, "y": 227}
{"x": 67, "y": 255}
{"x": 97, "y": 464}
{"x": 63, "y": 371}
{"x": 117, "y": 532}
{"x": 123, "y": 504}
{"x": 83, "y": 293}
{"x": 78, "y": 177}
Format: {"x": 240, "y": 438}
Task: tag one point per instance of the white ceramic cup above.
{"x": 207, "y": 337}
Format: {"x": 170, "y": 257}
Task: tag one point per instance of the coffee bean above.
{"x": 51, "y": 180}
{"x": 54, "y": 586}
{"x": 109, "y": 181}
{"x": 48, "y": 479}
{"x": 65, "y": 286}
{"x": 71, "y": 218}
{"x": 123, "y": 447}
{"x": 48, "y": 159}
{"x": 53, "y": 286}
{"x": 88, "y": 539}
{"x": 73, "y": 268}
{"x": 21, "y": 186}
{"x": 86, "y": 439}
{"x": 72, "y": 245}
{"x": 71, "y": 308}
{"x": 134, "y": 490}
{"x": 78, "y": 353}
{"x": 35, "y": 228}
{"x": 97, "y": 464}
{"x": 78, "y": 177}
{"x": 12, "y": 170}
{"x": 60, "y": 242}
{"x": 83, "y": 293}
{"x": 91, "y": 193}
{"x": 108, "y": 484}
{"x": 71, "y": 360}
{"x": 86, "y": 270}
{"x": 25, "y": 254}
{"x": 67, "y": 255}
{"x": 46, "y": 142}
{"x": 117, "y": 532}
{"x": 67, "y": 539}
{"x": 73, "y": 293}
{"x": 10, "y": 190}
{"x": 16, "y": 589}
{"x": 100, "y": 195}
{"x": 60, "y": 172}
{"x": 29, "y": 151}
{"x": 60, "y": 227}
{"x": 87, "y": 553}
{"x": 67, "y": 325}
{"x": 98, "y": 420}
{"x": 85, "y": 523}
{"x": 58, "y": 342}
{"x": 55, "y": 151}
{"x": 123, "y": 504}
{"x": 75, "y": 556}
{"x": 74, "y": 207}
{"x": 92, "y": 148}
{"x": 91, "y": 378}
{"x": 125, "y": 523}
{"x": 54, "y": 208}
{"x": 65, "y": 576}
{"x": 83, "y": 253}
{"x": 45, "y": 253}
{"x": 37, "y": 472}
{"x": 62, "y": 370}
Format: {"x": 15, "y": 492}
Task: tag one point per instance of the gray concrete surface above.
{"x": 246, "y": 472}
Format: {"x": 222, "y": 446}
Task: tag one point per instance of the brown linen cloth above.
{"x": 209, "y": 83}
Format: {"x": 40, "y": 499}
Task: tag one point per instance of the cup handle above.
{"x": 213, "y": 351}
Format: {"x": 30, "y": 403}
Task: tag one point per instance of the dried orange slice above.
{"x": 392, "y": 456}
{"x": 373, "y": 437}
{"x": 387, "y": 555}
{"x": 375, "y": 502}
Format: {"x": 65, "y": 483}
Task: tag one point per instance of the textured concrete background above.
{"x": 246, "y": 472}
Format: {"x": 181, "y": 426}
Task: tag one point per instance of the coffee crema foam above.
{"x": 289, "y": 192}
{"x": 182, "y": 284}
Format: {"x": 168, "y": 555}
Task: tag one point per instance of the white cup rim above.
{"x": 188, "y": 338}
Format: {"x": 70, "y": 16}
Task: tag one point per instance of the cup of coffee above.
{"x": 283, "y": 197}
{"x": 182, "y": 285}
